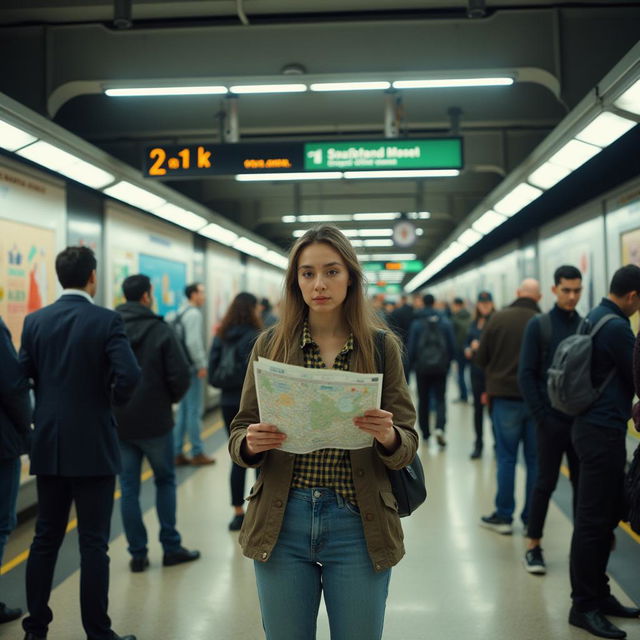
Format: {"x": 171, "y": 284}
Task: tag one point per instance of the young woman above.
{"x": 235, "y": 337}
{"x": 327, "y": 521}
{"x": 484, "y": 310}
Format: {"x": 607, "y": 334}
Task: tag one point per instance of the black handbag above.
{"x": 408, "y": 487}
{"x": 408, "y": 484}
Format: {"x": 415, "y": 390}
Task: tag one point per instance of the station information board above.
{"x": 199, "y": 160}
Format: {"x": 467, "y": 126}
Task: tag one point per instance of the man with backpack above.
{"x": 145, "y": 424}
{"x": 599, "y": 435}
{"x": 553, "y": 428}
{"x": 498, "y": 355}
{"x": 430, "y": 349}
{"x": 188, "y": 325}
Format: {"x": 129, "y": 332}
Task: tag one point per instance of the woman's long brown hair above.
{"x": 357, "y": 311}
{"x": 243, "y": 310}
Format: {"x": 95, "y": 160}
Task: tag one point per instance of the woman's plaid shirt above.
{"x": 330, "y": 468}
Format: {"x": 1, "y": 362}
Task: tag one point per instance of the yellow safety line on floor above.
{"x": 20, "y": 558}
{"x": 623, "y": 525}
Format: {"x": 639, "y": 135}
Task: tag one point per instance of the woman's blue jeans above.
{"x": 321, "y": 550}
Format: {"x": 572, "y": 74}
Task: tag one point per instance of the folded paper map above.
{"x": 316, "y": 407}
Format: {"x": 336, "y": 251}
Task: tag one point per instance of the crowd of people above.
{"x": 92, "y": 369}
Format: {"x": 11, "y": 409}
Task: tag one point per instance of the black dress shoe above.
{"x": 594, "y": 622}
{"x": 138, "y": 565}
{"x": 33, "y": 636}
{"x": 7, "y": 614}
{"x": 611, "y": 607}
{"x": 179, "y": 556}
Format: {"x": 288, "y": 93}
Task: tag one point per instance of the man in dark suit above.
{"x": 80, "y": 361}
{"x": 15, "y": 418}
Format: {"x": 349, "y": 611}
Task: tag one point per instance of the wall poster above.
{"x": 169, "y": 278}
{"x": 27, "y": 272}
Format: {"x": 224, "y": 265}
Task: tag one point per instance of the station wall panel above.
{"x": 136, "y": 243}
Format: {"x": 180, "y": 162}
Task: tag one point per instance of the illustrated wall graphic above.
{"x": 169, "y": 278}
{"x": 27, "y": 272}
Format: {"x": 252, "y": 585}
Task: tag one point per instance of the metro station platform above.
{"x": 457, "y": 580}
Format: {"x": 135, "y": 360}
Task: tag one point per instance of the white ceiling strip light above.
{"x": 523, "y": 195}
{"x": 630, "y": 99}
{"x": 166, "y": 91}
{"x": 350, "y": 86}
{"x": 12, "y": 138}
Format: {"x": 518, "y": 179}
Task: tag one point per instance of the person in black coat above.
{"x": 233, "y": 344}
{"x": 484, "y": 310}
{"x": 80, "y": 361}
{"x": 145, "y": 424}
{"x": 15, "y": 421}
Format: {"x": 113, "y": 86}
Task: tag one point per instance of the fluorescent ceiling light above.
{"x": 350, "y": 233}
{"x": 377, "y": 243}
{"x": 167, "y": 91}
{"x": 274, "y": 258}
{"x": 391, "y": 257}
{"x": 419, "y": 215}
{"x": 67, "y": 164}
{"x": 452, "y": 82}
{"x": 47, "y": 155}
{"x": 268, "y": 88}
{"x": 518, "y": 199}
{"x": 180, "y": 216}
{"x": 358, "y": 217}
{"x": 605, "y": 129}
{"x": 574, "y": 154}
{"x": 135, "y": 196}
{"x": 369, "y": 233}
{"x": 87, "y": 174}
{"x": 219, "y": 234}
{"x": 488, "y": 222}
{"x": 469, "y": 237}
{"x": 548, "y": 175}
{"x": 419, "y": 231}
{"x": 357, "y": 243}
{"x": 349, "y": 86}
{"x": 321, "y": 217}
{"x": 271, "y": 177}
{"x": 289, "y": 218}
{"x": 12, "y": 138}
{"x": 630, "y": 99}
{"x": 411, "y": 173}
{"x": 249, "y": 246}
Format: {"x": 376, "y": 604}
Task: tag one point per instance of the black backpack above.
{"x": 569, "y": 383}
{"x": 177, "y": 326}
{"x": 230, "y": 370}
{"x": 432, "y": 357}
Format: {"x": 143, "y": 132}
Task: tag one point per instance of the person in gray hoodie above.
{"x": 190, "y": 322}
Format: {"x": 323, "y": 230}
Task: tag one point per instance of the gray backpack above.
{"x": 569, "y": 382}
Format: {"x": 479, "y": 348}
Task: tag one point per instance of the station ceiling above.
{"x": 57, "y": 56}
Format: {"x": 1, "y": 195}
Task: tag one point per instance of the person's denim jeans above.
{"x": 512, "y": 424}
{"x": 321, "y": 549}
{"x": 10, "y": 482}
{"x": 462, "y": 363}
{"x": 159, "y": 452}
{"x": 188, "y": 418}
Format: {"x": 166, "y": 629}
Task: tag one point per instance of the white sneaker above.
{"x": 440, "y": 438}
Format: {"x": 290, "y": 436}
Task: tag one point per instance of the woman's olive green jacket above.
{"x": 378, "y": 509}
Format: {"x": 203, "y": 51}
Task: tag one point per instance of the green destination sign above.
{"x": 389, "y": 288}
{"x": 409, "y": 266}
{"x": 438, "y": 153}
